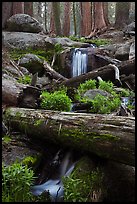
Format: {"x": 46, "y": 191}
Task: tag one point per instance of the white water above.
{"x": 55, "y": 186}
{"x": 79, "y": 62}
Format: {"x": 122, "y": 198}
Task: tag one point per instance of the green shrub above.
{"x": 107, "y": 86}
{"x": 16, "y": 182}
{"x": 58, "y": 101}
{"x": 100, "y": 104}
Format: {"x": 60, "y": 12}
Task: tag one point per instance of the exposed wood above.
{"x": 52, "y": 73}
{"x": 11, "y": 91}
{"x": 106, "y": 73}
{"x": 17, "y": 94}
{"x": 107, "y": 136}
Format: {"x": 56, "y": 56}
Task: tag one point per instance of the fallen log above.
{"x": 11, "y": 91}
{"x": 52, "y": 73}
{"x": 19, "y": 95}
{"x": 106, "y": 72}
{"x": 107, "y": 136}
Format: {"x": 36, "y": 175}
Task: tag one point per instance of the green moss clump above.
{"x": 31, "y": 161}
{"x": 57, "y": 100}
{"x": 26, "y": 79}
{"x": 6, "y": 139}
{"x": 97, "y": 42}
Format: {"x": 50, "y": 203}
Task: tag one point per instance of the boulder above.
{"x": 23, "y": 23}
{"x": 33, "y": 63}
{"x": 122, "y": 53}
{"x": 91, "y": 93}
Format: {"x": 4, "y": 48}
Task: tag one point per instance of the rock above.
{"x": 16, "y": 150}
{"x": 122, "y": 53}
{"x": 33, "y": 63}
{"x": 91, "y": 93}
{"x": 23, "y": 23}
{"x": 22, "y": 40}
{"x": 129, "y": 28}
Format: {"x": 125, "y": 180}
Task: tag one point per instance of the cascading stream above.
{"x": 79, "y": 61}
{"x": 55, "y": 186}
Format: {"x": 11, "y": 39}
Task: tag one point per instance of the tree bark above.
{"x": 19, "y": 95}
{"x": 11, "y": 91}
{"x": 52, "y": 73}
{"x": 66, "y": 20}
{"x": 106, "y": 73}
{"x": 18, "y": 7}
{"x": 28, "y": 8}
{"x": 122, "y": 14}
{"x": 108, "y": 136}
{"x": 86, "y": 18}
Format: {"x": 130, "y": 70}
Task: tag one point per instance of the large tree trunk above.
{"x": 106, "y": 73}
{"x": 122, "y": 14}
{"x": 99, "y": 24}
{"x": 28, "y": 8}
{"x": 66, "y": 20}
{"x": 18, "y": 7}
{"x": 56, "y": 14}
{"x": 86, "y": 18}
{"x": 6, "y": 12}
{"x": 107, "y": 136}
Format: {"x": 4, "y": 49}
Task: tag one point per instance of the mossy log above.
{"x": 106, "y": 72}
{"x": 107, "y": 136}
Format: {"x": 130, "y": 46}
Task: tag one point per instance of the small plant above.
{"x": 100, "y": 104}
{"x": 25, "y": 80}
{"x": 58, "y": 101}
{"x": 79, "y": 186}
{"x": 107, "y": 86}
{"x": 6, "y": 139}
{"x": 29, "y": 161}
{"x": 89, "y": 84}
{"x": 16, "y": 182}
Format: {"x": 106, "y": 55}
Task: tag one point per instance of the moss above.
{"x": 38, "y": 122}
{"x": 6, "y": 139}
{"x": 31, "y": 161}
{"x": 16, "y": 54}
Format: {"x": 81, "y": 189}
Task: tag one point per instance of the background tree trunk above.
{"x": 122, "y": 14}
{"x": 108, "y": 136}
{"x": 18, "y": 7}
{"x": 6, "y": 12}
{"x": 28, "y": 8}
{"x": 66, "y": 21}
{"x": 74, "y": 18}
{"x": 56, "y": 14}
{"x": 105, "y": 10}
{"x": 85, "y": 18}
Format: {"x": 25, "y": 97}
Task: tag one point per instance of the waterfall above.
{"x": 55, "y": 186}
{"x": 79, "y": 61}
